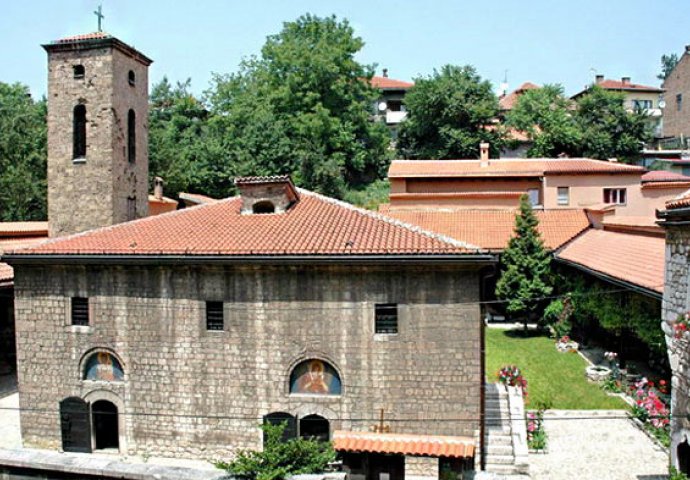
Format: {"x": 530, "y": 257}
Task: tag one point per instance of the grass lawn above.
{"x": 554, "y": 377}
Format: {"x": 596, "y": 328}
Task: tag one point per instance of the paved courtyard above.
{"x": 606, "y": 447}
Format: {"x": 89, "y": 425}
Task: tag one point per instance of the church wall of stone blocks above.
{"x": 182, "y": 389}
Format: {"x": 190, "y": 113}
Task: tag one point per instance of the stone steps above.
{"x": 499, "y": 453}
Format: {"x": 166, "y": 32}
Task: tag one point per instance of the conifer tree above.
{"x": 525, "y": 267}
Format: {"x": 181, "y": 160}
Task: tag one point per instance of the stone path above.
{"x": 9, "y": 421}
{"x": 599, "y": 448}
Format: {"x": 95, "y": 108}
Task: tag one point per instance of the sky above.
{"x": 541, "y": 41}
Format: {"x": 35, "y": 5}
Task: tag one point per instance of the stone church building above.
{"x": 177, "y": 335}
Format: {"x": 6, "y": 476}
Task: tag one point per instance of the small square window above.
{"x": 78, "y": 71}
{"x": 386, "y": 318}
{"x": 80, "y": 311}
{"x": 564, "y": 195}
{"x": 215, "y": 318}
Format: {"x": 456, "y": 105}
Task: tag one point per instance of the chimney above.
{"x": 385, "y": 72}
{"x": 158, "y": 188}
{"x": 625, "y": 80}
{"x": 483, "y": 154}
{"x": 687, "y": 49}
{"x": 598, "y": 79}
{"x": 261, "y": 195}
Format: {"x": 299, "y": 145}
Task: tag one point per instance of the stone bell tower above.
{"x": 97, "y": 133}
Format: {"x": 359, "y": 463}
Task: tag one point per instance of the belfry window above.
{"x": 131, "y": 78}
{"x": 263, "y": 206}
{"x": 131, "y": 136}
{"x": 79, "y": 132}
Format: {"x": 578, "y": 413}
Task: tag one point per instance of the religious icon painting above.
{"x": 104, "y": 367}
{"x": 315, "y": 377}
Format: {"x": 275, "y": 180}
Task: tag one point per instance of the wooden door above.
{"x": 75, "y": 423}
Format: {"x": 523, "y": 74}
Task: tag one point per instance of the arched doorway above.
{"x": 684, "y": 457}
{"x": 316, "y": 427}
{"x": 105, "y": 423}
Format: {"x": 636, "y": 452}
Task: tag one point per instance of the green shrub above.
{"x": 280, "y": 459}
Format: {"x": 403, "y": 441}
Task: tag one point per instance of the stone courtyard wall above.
{"x": 677, "y": 302}
{"x": 192, "y": 392}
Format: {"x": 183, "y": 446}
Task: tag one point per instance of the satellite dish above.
{"x": 662, "y": 104}
{"x": 383, "y": 106}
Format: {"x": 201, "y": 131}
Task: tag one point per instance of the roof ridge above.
{"x": 149, "y": 218}
{"x": 391, "y": 221}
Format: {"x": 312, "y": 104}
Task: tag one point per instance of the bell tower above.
{"x": 97, "y": 133}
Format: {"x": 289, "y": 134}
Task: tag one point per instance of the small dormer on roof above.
{"x": 261, "y": 195}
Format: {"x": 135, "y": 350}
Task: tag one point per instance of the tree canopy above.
{"x": 525, "y": 267}
{"x": 668, "y": 63}
{"x": 545, "y": 115}
{"x": 449, "y": 114}
{"x": 304, "y": 107}
{"x": 23, "y": 154}
{"x": 597, "y": 125}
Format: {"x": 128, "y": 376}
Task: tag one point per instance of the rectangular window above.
{"x": 386, "y": 318}
{"x": 533, "y": 194}
{"x": 215, "y": 319}
{"x": 131, "y": 208}
{"x": 80, "y": 311}
{"x": 679, "y": 102}
{"x": 564, "y": 195}
{"x": 615, "y": 196}
{"x": 642, "y": 104}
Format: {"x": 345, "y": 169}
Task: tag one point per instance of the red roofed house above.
{"x": 390, "y": 106}
{"x": 644, "y": 97}
{"x": 177, "y": 334}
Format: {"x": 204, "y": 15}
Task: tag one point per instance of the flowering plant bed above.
{"x": 565, "y": 344}
{"x": 650, "y": 410}
{"x": 536, "y": 434}
{"x": 681, "y": 326}
{"x": 511, "y": 376}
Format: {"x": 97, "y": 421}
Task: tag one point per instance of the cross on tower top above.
{"x": 100, "y": 16}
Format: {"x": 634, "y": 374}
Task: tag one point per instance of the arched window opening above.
{"x": 79, "y": 132}
{"x": 131, "y": 77}
{"x": 279, "y": 418}
{"x": 78, "y": 71}
{"x": 314, "y": 427}
{"x": 105, "y": 422}
{"x": 684, "y": 457}
{"x": 315, "y": 377}
{"x": 104, "y": 367}
{"x": 131, "y": 136}
{"x": 263, "y": 206}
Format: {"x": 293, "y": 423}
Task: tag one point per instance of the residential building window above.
{"x": 78, "y": 71}
{"x": 131, "y": 136}
{"x": 679, "y": 102}
{"x": 533, "y": 194}
{"x": 564, "y": 195}
{"x": 215, "y": 318}
{"x": 616, "y": 196}
{"x": 80, "y": 311}
{"x": 386, "y": 318}
{"x": 643, "y": 104}
{"x": 79, "y": 132}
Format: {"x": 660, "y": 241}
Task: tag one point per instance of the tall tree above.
{"x": 545, "y": 114}
{"x": 449, "y": 114}
{"x": 668, "y": 63}
{"x": 304, "y": 106}
{"x": 23, "y": 154}
{"x": 525, "y": 267}
{"x": 607, "y": 129}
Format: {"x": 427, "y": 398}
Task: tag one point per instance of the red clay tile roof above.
{"x": 316, "y": 225}
{"x": 86, "y": 36}
{"x": 509, "y": 101}
{"x": 10, "y": 243}
{"x": 492, "y": 229}
{"x": 485, "y": 194}
{"x": 634, "y": 259}
{"x": 507, "y": 167}
{"x": 681, "y": 201}
{"x": 15, "y": 229}
{"x": 664, "y": 176}
{"x": 385, "y": 83}
{"x": 404, "y": 444}
{"x": 619, "y": 85}
{"x": 195, "y": 198}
